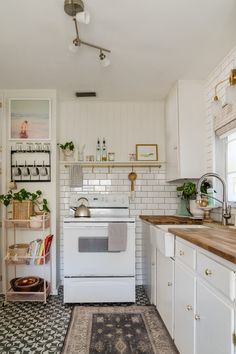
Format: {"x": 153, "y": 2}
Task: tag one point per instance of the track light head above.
{"x": 104, "y": 60}
{"x": 72, "y": 7}
{"x": 83, "y": 17}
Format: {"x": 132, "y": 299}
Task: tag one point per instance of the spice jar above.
{"x": 111, "y": 156}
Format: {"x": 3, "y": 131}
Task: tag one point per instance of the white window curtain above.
{"x": 226, "y": 120}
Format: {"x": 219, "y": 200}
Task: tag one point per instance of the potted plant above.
{"x": 188, "y": 192}
{"x": 68, "y": 150}
{"x": 24, "y": 203}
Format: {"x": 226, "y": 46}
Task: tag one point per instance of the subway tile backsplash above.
{"x": 153, "y": 195}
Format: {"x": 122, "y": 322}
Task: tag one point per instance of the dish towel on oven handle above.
{"x": 117, "y": 237}
{"x": 76, "y": 176}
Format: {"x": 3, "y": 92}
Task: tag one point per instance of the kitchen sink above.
{"x": 165, "y": 241}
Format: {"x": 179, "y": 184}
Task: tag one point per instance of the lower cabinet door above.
{"x": 214, "y": 323}
{"x": 165, "y": 290}
{"x": 185, "y": 292}
{"x": 153, "y": 275}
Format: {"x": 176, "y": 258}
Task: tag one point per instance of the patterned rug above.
{"x": 117, "y": 330}
{"x": 37, "y": 329}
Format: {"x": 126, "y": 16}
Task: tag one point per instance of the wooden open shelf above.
{"x": 113, "y": 164}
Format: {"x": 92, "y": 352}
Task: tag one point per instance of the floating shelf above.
{"x": 112, "y": 164}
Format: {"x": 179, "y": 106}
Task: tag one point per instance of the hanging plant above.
{"x": 23, "y": 194}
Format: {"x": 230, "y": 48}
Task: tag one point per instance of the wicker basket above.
{"x": 22, "y": 210}
{"x": 16, "y": 252}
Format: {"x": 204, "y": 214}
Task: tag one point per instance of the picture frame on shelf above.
{"x": 29, "y": 119}
{"x": 146, "y": 152}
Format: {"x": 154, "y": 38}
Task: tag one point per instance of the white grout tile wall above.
{"x": 221, "y": 72}
{"x": 153, "y": 195}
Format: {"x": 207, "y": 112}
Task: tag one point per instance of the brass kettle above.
{"x": 82, "y": 211}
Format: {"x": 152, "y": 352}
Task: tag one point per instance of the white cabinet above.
{"x": 147, "y": 259}
{"x": 185, "y": 138}
{"x": 214, "y": 323}
{"x": 185, "y": 289}
{"x": 165, "y": 290}
{"x": 204, "y": 302}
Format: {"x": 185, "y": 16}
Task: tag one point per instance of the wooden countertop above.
{"x": 218, "y": 241}
{"x": 169, "y": 219}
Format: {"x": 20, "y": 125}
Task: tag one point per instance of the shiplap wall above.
{"x": 123, "y": 124}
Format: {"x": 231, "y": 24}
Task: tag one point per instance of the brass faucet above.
{"x": 226, "y": 208}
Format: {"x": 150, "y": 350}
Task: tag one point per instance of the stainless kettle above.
{"x": 82, "y": 211}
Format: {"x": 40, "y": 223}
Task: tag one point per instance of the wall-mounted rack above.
{"x": 113, "y": 164}
{"x": 23, "y": 155}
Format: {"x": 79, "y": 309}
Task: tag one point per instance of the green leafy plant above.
{"x": 67, "y": 146}
{"x": 23, "y": 194}
{"x": 187, "y": 190}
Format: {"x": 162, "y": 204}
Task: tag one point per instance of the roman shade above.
{"x": 225, "y": 121}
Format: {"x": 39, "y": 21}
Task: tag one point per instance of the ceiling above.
{"x": 153, "y": 43}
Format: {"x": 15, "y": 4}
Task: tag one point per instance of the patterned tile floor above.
{"x": 37, "y": 329}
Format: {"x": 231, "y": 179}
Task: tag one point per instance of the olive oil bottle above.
{"x": 98, "y": 151}
{"x": 104, "y": 150}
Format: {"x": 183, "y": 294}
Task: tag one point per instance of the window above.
{"x": 231, "y": 166}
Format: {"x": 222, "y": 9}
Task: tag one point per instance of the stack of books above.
{"x": 38, "y": 249}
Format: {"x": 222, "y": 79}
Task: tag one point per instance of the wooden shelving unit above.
{"x": 14, "y": 226}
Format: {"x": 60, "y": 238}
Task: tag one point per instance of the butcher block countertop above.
{"x": 221, "y": 242}
{"x": 169, "y": 219}
{"x": 216, "y": 238}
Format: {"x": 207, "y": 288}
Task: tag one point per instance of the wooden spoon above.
{"x": 132, "y": 177}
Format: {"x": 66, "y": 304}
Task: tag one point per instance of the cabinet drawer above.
{"x": 219, "y": 276}
{"x": 185, "y": 254}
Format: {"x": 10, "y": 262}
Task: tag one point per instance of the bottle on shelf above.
{"x": 104, "y": 150}
{"x": 98, "y": 151}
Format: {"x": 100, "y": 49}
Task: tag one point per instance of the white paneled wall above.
{"x": 123, "y": 124}
{"x": 221, "y": 72}
{"x": 153, "y": 196}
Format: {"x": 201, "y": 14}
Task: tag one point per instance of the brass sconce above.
{"x": 230, "y": 93}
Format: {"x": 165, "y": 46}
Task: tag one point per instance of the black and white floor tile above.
{"x": 37, "y": 329}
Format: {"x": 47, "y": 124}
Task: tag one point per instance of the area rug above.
{"x": 117, "y": 330}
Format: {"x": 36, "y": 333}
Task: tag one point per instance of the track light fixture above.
{"x": 75, "y": 8}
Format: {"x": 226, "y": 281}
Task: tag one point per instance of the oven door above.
{"x": 86, "y": 255}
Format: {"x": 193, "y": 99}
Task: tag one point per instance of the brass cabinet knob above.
{"x": 208, "y": 272}
{"x": 189, "y": 307}
{"x": 197, "y": 317}
{"x": 181, "y": 253}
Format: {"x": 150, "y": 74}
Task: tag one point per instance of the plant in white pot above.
{"x": 68, "y": 150}
{"x": 189, "y": 192}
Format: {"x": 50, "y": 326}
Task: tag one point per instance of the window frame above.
{"x": 227, "y": 142}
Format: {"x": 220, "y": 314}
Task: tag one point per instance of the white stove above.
{"x": 92, "y": 271}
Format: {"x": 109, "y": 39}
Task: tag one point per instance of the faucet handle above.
{"x": 227, "y": 212}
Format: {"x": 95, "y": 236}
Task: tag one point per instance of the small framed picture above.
{"x": 29, "y": 119}
{"x": 146, "y": 152}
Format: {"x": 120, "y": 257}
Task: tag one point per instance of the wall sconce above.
{"x": 75, "y": 8}
{"x": 230, "y": 93}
